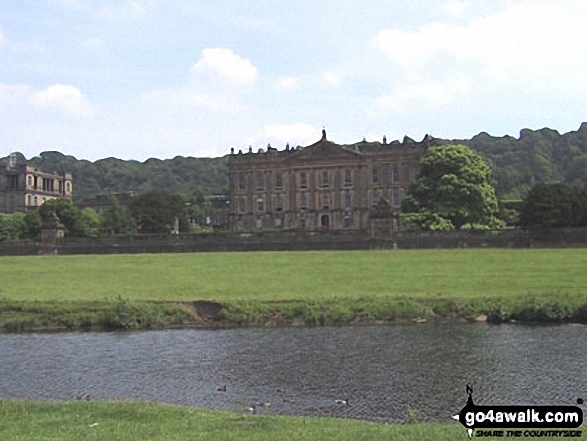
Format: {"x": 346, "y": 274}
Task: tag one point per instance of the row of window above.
{"x": 323, "y": 201}
{"x": 47, "y": 184}
{"x": 323, "y": 221}
{"x": 324, "y": 178}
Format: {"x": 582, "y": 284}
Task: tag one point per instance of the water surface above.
{"x": 302, "y": 371}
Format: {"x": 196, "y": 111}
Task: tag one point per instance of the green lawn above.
{"x": 265, "y": 276}
{"x": 128, "y": 421}
{"x": 300, "y": 288}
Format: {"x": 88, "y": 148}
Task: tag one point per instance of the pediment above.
{"x": 324, "y": 149}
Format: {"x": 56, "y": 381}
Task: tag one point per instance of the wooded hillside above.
{"x": 536, "y": 156}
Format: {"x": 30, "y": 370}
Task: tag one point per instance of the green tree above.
{"x": 117, "y": 220}
{"x": 554, "y": 205}
{"x": 87, "y": 223}
{"x": 12, "y": 227}
{"x": 34, "y": 223}
{"x": 66, "y": 212}
{"x": 157, "y": 211}
{"x": 453, "y": 191}
{"x": 197, "y": 207}
{"x": 577, "y": 173}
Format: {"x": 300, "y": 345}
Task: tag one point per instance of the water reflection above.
{"x": 302, "y": 371}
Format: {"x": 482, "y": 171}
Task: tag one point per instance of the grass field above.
{"x": 22, "y": 420}
{"x": 326, "y": 286}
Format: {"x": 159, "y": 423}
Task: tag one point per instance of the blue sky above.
{"x": 150, "y": 78}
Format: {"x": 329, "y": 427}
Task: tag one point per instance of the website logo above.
{"x": 507, "y": 421}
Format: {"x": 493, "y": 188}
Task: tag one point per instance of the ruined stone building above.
{"x": 322, "y": 186}
{"x": 24, "y": 187}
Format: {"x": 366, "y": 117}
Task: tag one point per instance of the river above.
{"x": 303, "y": 371}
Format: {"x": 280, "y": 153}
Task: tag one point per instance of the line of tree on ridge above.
{"x": 517, "y": 164}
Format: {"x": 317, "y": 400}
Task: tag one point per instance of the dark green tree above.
{"x": 577, "y": 173}
{"x": 12, "y": 227}
{"x": 117, "y": 220}
{"x": 453, "y": 191}
{"x": 33, "y": 222}
{"x": 554, "y": 205}
{"x": 66, "y": 212}
{"x": 157, "y": 211}
{"x": 197, "y": 208}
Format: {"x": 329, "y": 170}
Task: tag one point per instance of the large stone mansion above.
{"x": 321, "y": 186}
{"x": 24, "y": 187}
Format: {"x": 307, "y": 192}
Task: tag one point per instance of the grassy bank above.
{"x": 295, "y": 288}
{"x": 22, "y": 420}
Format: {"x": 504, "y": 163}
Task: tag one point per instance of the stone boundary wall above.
{"x": 559, "y": 238}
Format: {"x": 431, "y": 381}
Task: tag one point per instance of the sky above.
{"x": 136, "y": 79}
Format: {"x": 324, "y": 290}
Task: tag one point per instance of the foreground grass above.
{"x": 325, "y": 287}
{"x": 23, "y": 420}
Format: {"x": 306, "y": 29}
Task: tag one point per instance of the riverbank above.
{"x": 157, "y": 291}
{"x": 27, "y": 420}
{"x": 123, "y": 314}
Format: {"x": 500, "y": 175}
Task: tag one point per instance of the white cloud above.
{"x": 67, "y": 99}
{"x": 538, "y": 40}
{"x": 216, "y": 80}
{"x": 433, "y": 94}
{"x": 223, "y": 64}
{"x": 295, "y": 134}
{"x": 332, "y": 79}
{"x": 287, "y": 83}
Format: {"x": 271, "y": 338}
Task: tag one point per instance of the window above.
{"x": 260, "y": 205}
{"x": 278, "y": 203}
{"x": 347, "y": 222}
{"x": 348, "y": 199}
{"x": 325, "y": 179}
{"x": 68, "y": 187}
{"x": 260, "y": 181}
{"x": 241, "y": 181}
{"x": 303, "y": 180}
{"x": 303, "y": 201}
{"x": 396, "y": 173}
{"x": 36, "y": 201}
{"x": 241, "y": 205}
{"x": 30, "y": 181}
{"x": 29, "y": 199}
{"x": 376, "y": 197}
{"x": 325, "y": 221}
{"x": 375, "y": 175}
{"x": 348, "y": 177}
{"x": 396, "y": 197}
{"x": 325, "y": 201}
{"x": 279, "y": 180}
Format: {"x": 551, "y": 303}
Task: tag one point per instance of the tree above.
{"x": 197, "y": 207}
{"x": 554, "y": 205}
{"x": 12, "y": 227}
{"x": 66, "y": 212}
{"x": 577, "y": 173}
{"x": 453, "y": 191}
{"x": 75, "y": 222}
{"x": 117, "y": 220}
{"x": 157, "y": 211}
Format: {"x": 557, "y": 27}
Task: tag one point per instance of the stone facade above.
{"x": 23, "y": 187}
{"x": 321, "y": 186}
